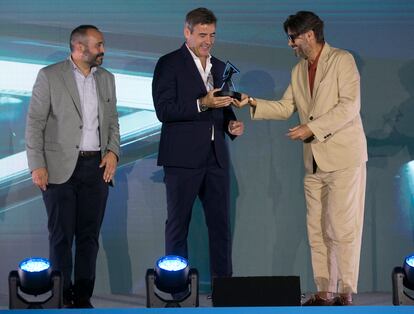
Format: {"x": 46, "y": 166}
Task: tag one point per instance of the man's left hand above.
{"x": 300, "y": 132}
{"x": 236, "y": 127}
{"x": 109, "y": 161}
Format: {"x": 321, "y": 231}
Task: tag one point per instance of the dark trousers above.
{"x": 75, "y": 211}
{"x": 211, "y": 184}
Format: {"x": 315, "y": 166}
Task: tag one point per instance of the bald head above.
{"x": 79, "y": 35}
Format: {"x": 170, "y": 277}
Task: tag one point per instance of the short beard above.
{"x": 92, "y": 61}
{"x": 302, "y": 53}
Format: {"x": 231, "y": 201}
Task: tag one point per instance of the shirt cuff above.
{"x": 198, "y": 105}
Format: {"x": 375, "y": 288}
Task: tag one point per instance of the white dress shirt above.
{"x": 89, "y": 105}
{"x": 206, "y": 76}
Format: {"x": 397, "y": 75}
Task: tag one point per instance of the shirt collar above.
{"x": 315, "y": 63}
{"x": 197, "y": 58}
{"x": 76, "y": 68}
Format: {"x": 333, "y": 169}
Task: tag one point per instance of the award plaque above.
{"x": 228, "y": 72}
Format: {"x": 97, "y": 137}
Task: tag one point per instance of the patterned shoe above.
{"x": 316, "y": 300}
{"x": 344, "y": 300}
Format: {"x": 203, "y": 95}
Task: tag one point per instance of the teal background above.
{"x": 268, "y": 209}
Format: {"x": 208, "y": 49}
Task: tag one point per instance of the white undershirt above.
{"x": 206, "y": 76}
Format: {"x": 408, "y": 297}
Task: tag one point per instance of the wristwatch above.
{"x": 203, "y": 108}
{"x": 250, "y": 102}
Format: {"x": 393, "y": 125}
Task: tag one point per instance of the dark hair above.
{"x": 79, "y": 33}
{"x": 199, "y": 16}
{"x": 304, "y": 21}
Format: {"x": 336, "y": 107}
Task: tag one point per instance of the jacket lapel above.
{"x": 321, "y": 69}
{"x": 192, "y": 68}
{"x": 71, "y": 85}
{"x": 305, "y": 79}
{"x": 217, "y": 77}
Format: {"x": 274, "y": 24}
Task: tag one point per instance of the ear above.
{"x": 79, "y": 46}
{"x": 187, "y": 32}
{"x": 310, "y": 35}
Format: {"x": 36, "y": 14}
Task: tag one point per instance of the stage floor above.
{"x": 112, "y": 301}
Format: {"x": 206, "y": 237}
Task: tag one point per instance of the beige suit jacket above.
{"x": 332, "y": 113}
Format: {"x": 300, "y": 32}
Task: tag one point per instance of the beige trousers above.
{"x": 335, "y": 214}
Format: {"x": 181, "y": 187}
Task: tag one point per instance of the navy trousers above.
{"x": 75, "y": 212}
{"x": 211, "y": 184}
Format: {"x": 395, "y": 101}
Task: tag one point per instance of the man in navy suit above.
{"x": 192, "y": 147}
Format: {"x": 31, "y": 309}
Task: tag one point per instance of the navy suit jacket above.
{"x": 186, "y": 133}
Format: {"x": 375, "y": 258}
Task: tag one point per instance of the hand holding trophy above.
{"x": 228, "y": 72}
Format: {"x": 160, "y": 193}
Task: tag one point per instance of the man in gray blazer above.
{"x": 72, "y": 144}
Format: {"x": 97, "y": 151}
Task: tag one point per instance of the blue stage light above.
{"x": 34, "y": 264}
{"x": 409, "y": 260}
{"x": 172, "y": 263}
{"x": 35, "y": 275}
{"x": 172, "y": 277}
{"x": 409, "y": 272}
{"x": 171, "y": 274}
{"x": 403, "y": 283}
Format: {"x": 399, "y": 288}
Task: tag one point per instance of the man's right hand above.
{"x": 212, "y": 101}
{"x": 245, "y": 99}
{"x": 40, "y": 178}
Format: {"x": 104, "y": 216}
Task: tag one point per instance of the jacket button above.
{"x": 80, "y": 127}
{"x": 77, "y": 146}
{"x": 311, "y": 118}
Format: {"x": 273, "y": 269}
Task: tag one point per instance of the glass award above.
{"x": 229, "y": 70}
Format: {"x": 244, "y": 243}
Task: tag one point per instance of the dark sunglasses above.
{"x": 292, "y": 37}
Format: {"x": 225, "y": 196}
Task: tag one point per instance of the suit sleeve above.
{"x": 349, "y": 102}
{"x": 164, "y": 93}
{"x": 113, "y": 132}
{"x": 275, "y": 110}
{"x": 39, "y": 109}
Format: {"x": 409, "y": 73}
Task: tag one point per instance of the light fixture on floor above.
{"x": 403, "y": 283}
{"x": 35, "y": 286}
{"x": 172, "y": 283}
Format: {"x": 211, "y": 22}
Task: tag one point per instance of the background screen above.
{"x": 267, "y": 204}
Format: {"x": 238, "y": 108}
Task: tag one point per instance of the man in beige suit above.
{"x": 325, "y": 91}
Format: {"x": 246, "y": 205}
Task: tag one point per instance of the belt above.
{"x": 90, "y": 153}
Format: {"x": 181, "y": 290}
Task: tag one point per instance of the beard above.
{"x": 302, "y": 52}
{"x": 93, "y": 59}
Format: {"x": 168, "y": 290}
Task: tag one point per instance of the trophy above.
{"x": 228, "y": 72}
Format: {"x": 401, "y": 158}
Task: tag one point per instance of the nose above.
{"x": 209, "y": 40}
{"x": 291, "y": 43}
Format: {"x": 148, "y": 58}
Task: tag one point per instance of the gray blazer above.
{"x": 54, "y": 121}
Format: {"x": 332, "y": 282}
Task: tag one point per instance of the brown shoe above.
{"x": 343, "y": 300}
{"x": 316, "y": 300}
